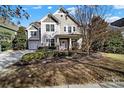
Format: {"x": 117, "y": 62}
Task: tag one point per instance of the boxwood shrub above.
{"x": 33, "y": 56}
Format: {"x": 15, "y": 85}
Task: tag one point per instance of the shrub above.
{"x": 52, "y": 47}
{"x": 33, "y": 56}
{"x": 5, "y": 45}
{"x": 61, "y": 54}
{"x": 115, "y": 43}
{"x": 19, "y": 42}
{"x": 42, "y": 49}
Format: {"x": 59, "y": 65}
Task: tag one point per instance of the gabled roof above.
{"x": 69, "y": 15}
{"x": 64, "y": 11}
{"x": 36, "y": 24}
{"x": 118, "y": 23}
{"x": 8, "y": 24}
{"x": 53, "y": 17}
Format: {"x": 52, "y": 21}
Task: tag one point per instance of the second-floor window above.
{"x": 47, "y": 27}
{"x": 74, "y": 29}
{"x": 33, "y": 33}
{"x": 65, "y": 28}
{"x": 69, "y": 29}
{"x": 50, "y": 27}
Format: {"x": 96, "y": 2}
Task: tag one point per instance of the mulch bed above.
{"x": 56, "y": 71}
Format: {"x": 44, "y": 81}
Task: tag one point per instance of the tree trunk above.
{"x": 88, "y": 50}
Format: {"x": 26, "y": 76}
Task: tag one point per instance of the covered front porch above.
{"x": 67, "y": 42}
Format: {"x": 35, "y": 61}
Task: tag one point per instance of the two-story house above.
{"x": 59, "y": 29}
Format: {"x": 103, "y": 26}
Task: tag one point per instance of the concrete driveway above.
{"x": 10, "y": 57}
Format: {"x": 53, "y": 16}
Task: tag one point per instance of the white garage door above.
{"x": 32, "y": 44}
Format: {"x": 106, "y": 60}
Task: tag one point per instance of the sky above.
{"x": 37, "y": 12}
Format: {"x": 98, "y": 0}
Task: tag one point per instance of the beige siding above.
{"x": 48, "y": 20}
{"x": 47, "y": 35}
{"x": 33, "y": 29}
{"x": 66, "y": 21}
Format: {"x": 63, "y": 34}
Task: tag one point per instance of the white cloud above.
{"x": 37, "y": 7}
{"x": 25, "y": 9}
{"x": 49, "y": 7}
{"x": 112, "y": 19}
{"x": 71, "y": 10}
{"x": 108, "y": 15}
{"x": 118, "y": 6}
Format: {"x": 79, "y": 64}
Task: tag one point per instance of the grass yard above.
{"x": 118, "y": 57}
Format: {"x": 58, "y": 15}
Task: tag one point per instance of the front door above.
{"x": 63, "y": 44}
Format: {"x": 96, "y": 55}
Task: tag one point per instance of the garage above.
{"x": 32, "y": 45}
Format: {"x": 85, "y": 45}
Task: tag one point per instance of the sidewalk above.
{"x": 96, "y": 85}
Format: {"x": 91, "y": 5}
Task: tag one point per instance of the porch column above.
{"x": 70, "y": 44}
{"x": 57, "y": 43}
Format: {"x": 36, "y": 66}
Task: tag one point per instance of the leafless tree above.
{"x": 7, "y": 12}
{"x": 92, "y": 24}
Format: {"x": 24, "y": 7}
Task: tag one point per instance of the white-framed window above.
{"x": 65, "y": 28}
{"x": 33, "y": 33}
{"x": 69, "y": 29}
{"x": 51, "y": 42}
{"x": 47, "y": 27}
{"x": 74, "y": 28}
{"x": 50, "y": 27}
{"x": 47, "y": 40}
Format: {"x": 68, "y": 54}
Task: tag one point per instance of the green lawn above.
{"x": 118, "y": 57}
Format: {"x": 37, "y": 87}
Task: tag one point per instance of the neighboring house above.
{"x": 58, "y": 30}
{"x": 7, "y": 30}
{"x": 7, "y": 34}
{"x": 118, "y": 25}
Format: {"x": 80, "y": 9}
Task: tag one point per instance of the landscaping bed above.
{"x": 56, "y": 69}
